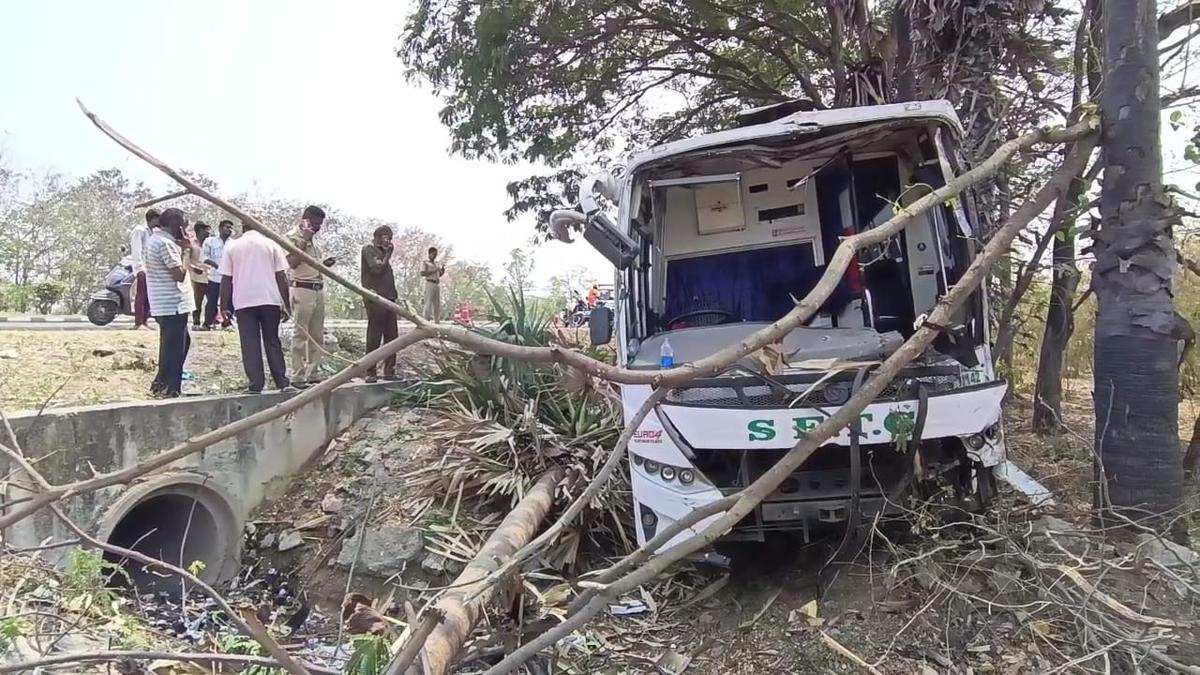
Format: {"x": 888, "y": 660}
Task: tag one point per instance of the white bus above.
{"x": 716, "y": 236}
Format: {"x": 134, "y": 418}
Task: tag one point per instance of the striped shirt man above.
{"x": 167, "y": 296}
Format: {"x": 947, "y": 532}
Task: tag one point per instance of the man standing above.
{"x": 210, "y": 255}
{"x": 253, "y": 280}
{"x": 593, "y": 296}
{"x": 198, "y": 272}
{"x": 308, "y": 299}
{"x": 170, "y": 299}
{"x": 137, "y": 244}
{"x": 377, "y": 276}
{"x": 432, "y": 271}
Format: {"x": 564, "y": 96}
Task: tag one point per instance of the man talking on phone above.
{"x": 377, "y": 275}
{"x": 308, "y": 300}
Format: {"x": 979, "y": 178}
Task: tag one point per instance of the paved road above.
{"x": 121, "y": 323}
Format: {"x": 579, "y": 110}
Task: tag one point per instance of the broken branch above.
{"x": 463, "y": 605}
{"x": 593, "y": 489}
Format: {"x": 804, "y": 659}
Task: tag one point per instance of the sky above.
{"x": 287, "y": 98}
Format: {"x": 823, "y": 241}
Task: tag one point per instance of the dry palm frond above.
{"x": 503, "y": 424}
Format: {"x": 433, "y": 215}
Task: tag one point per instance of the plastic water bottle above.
{"x": 666, "y": 355}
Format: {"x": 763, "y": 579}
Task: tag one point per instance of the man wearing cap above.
{"x": 308, "y": 299}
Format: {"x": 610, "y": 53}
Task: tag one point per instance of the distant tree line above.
{"x": 59, "y": 236}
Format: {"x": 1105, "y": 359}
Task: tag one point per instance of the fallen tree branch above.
{"x": 199, "y": 658}
{"x": 463, "y": 606}
{"x": 593, "y": 489}
{"x": 749, "y": 498}
{"x": 710, "y": 365}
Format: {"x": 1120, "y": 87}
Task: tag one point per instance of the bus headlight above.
{"x": 975, "y": 441}
{"x": 687, "y": 476}
{"x": 668, "y": 472}
{"x": 651, "y": 466}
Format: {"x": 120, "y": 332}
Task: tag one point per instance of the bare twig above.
{"x": 186, "y": 657}
{"x": 164, "y": 198}
{"x": 841, "y": 650}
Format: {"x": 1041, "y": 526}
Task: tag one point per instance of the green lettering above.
{"x": 761, "y": 430}
{"x": 803, "y": 425}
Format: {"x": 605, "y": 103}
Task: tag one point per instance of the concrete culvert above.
{"x": 178, "y": 522}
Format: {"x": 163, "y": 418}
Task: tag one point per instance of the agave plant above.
{"x": 504, "y": 423}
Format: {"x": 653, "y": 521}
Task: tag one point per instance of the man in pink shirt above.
{"x": 254, "y": 287}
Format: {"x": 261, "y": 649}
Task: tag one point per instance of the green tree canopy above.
{"x": 570, "y": 81}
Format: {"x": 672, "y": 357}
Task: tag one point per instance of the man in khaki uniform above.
{"x": 308, "y": 300}
{"x": 432, "y": 271}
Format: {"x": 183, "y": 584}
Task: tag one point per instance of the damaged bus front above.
{"x": 716, "y": 236}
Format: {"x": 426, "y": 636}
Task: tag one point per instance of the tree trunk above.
{"x": 1136, "y": 396}
{"x": 462, "y": 612}
{"x": 1060, "y": 315}
{"x": 906, "y": 85}
{"x": 1060, "y": 320}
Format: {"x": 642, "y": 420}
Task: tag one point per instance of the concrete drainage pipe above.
{"x": 180, "y": 519}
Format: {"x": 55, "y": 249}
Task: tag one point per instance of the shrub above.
{"x": 46, "y": 295}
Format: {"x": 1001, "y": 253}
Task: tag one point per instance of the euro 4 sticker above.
{"x": 648, "y": 436}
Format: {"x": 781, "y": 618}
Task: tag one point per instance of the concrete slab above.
{"x": 73, "y": 443}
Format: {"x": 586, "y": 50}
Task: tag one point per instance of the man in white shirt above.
{"x": 137, "y": 243}
{"x": 211, "y": 254}
{"x": 198, "y": 273}
{"x": 254, "y": 285}
{"x": 170, "y": 299}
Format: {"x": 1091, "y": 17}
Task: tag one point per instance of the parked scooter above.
{"x": 577, "y": 316}
{"x": 115, "y": 298}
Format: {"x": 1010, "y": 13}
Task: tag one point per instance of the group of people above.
{"x": 218, "y": 281}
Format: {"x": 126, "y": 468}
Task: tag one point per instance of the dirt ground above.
{"x": 763, "y": 616}
{"x": 84, "y": 367}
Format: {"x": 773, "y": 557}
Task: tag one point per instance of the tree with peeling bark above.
{"x": 1136, "y": 393}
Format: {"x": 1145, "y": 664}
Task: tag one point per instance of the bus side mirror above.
{"x": 600, "y": 325}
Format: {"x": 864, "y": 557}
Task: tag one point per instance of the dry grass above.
{"x": 68, "y": 366}
{"x": 86, "y": 367}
